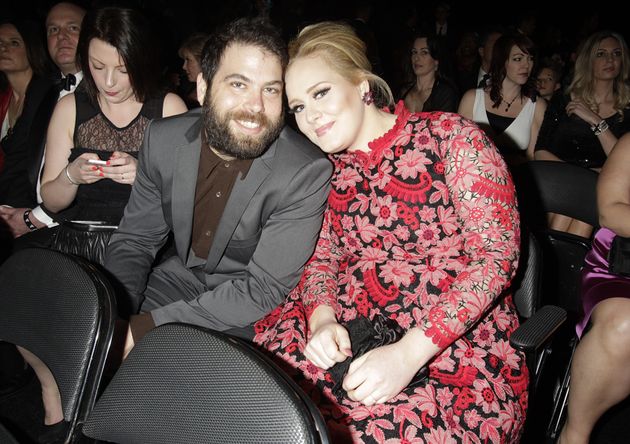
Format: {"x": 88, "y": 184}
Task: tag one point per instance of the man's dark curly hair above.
{"x": 245, "y": 31}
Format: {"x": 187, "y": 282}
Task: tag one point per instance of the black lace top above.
{"x": 105, "y": 200}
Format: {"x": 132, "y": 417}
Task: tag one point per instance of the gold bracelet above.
{"x": 70, "y": 178}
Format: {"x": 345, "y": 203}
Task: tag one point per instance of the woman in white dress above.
{"x": 506, "y": 108}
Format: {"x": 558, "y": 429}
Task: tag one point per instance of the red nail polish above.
{"x": 94, "y": 168}
{"x": 101, "y": 174}
{"x": 107, "y": 163}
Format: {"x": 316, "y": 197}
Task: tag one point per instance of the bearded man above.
{"x": 242, "y": 194}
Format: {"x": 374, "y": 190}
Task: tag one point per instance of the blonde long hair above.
{"x": 338, "y": 44}
{"x": 582, "y": 85}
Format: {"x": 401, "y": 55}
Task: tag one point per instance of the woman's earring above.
{"x": 368, "y": 98}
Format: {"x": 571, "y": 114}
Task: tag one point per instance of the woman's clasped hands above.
{"x": 373, "y": 378}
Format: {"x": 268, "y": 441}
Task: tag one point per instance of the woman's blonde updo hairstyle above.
{"x": 338, "y": 44}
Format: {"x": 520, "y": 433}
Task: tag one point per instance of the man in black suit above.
{"x": 442, "y": 25}
{"x": 19, "y": 190}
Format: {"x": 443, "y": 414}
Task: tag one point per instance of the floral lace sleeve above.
{"x": 319, "y": 280}
{"x": 483, "y": 195}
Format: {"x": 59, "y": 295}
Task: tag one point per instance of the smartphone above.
{"x": 97, "y": 162}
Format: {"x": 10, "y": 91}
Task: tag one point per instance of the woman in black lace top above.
{"x": 105, "y": 120}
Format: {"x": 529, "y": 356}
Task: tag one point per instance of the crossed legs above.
{"x": 599, "y": 373}
{"x": 564, "y": 223}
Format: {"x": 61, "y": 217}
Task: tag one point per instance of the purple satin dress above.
{"x": 597, "y": 282}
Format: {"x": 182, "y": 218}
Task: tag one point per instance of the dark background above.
{"x": 198, "y": 15}
{"x": 559, "y": 25}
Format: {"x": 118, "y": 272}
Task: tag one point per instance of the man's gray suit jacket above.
{"x": 266, "y": 234}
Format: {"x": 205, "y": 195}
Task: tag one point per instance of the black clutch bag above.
{"x": 619, "y": 256}
{"x": 366, "y": 335}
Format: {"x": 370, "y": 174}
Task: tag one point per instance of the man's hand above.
{"x": 14, "y": 219}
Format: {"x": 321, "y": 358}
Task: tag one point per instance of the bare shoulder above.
{"x": 615, "y": 170}
{"x": 66, "y": 104}
{"x": 173, "y": 105}
{"x": 467, "y": 103}
{"x": 613, "y": 183}
{"x": 63, "y": 117}
{"x": 470, "y": 94}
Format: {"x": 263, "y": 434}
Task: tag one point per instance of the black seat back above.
{"x": 562, "y": 188}
{"x": 527, "y": 283}
{"x": 60, "y": 308}
{"x": 186, "y": 384}
{"x": 557, "y": 187}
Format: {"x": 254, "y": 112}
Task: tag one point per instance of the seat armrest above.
{"x": 538, "y": 329}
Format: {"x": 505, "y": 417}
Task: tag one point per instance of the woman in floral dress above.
{"x": 421, "y": 231}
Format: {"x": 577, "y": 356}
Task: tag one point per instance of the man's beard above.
{"x": 220, "y": 136}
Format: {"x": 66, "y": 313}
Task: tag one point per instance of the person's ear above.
{"x": 367, "y": 95}
{"x": 201, "y": 88}
{"x": 364, "y": 87}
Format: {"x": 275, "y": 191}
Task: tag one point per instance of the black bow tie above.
{"x": 484, "y": 81}
{"x": 67, "y": 82}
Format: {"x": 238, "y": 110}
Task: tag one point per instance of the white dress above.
{"x": 516, "y": 136}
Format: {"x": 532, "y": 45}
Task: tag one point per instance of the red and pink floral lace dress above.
{"x": 423, "y": 229}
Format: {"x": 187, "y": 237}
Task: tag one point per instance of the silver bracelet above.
{"x": 70, "y": 178}
{"x": 600, "y": 127}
